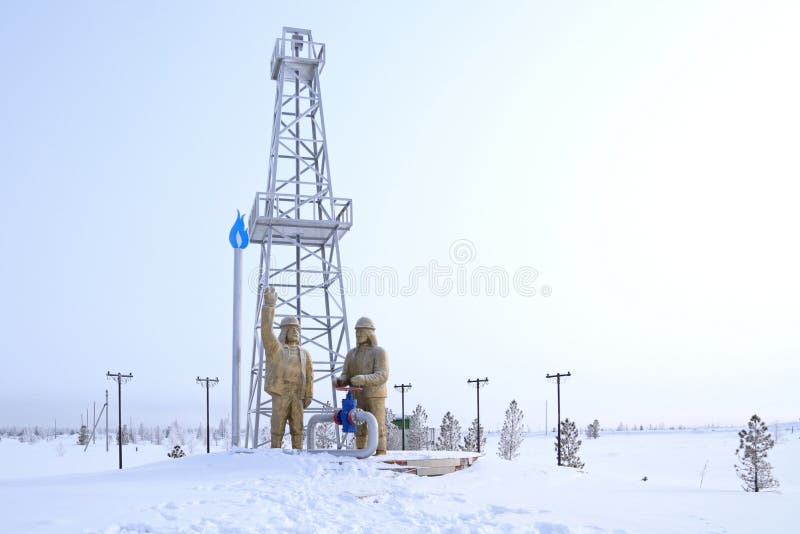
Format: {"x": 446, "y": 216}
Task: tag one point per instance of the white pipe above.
{"x": 237, "y": 346}
{"x": 358, "y": 416}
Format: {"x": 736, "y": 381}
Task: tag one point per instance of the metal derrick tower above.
{"x": 298, "y": 224}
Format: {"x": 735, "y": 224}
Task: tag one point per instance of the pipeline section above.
{"x": 355, "y": 416}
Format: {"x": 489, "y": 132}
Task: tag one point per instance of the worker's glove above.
{"x": 306, "y": 403}
{"x": 270, "y": 297}
{"x": 357, "y": 380}
{"x": 338, "y": 382}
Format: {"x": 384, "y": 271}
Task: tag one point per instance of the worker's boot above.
{"x": 361, "y": 442}
{"x": 380, "y": 452}
{"x": 297, "y": 441}
{"x": 276, "y": 441}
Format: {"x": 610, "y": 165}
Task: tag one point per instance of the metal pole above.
{"x": 478, "y": 383}
{"x": 94, "y": 418}
{"x": 558, "y": 376}
{"x": 545, "y": 418}
{"x": 237, "y": 347}
{"x": 478, "y": 389}
{"x": 119, "y": 413}
{"x": 403, "y": 416}
{"x": 106, "y": 420}
{"x": 558, "y": 389}
{"x": 208, "y": 383}
{"x": 402, "y": 389}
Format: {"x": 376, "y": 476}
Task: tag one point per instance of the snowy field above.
{"x": 47, "y": 487}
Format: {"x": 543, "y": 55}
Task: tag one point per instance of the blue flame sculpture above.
{"x": 238, "y": 236}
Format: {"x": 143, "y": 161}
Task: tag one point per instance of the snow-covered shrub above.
{"x": 593, "y": 430}
{"x": 325, "y": 433}
{"x": 753, "y": 467}
{"x": 449, "y": 433}
{"x": 175, "y": 434}
{"x": 512, "y": 434}
{"x": 126, "y": 435}
{"x": 394, "y": 438}
{"x": 569, "y": 445}
{"x": 83, "y": 435}
{"x": 177, "y": 452}
{"x": 417, "y": 437}
{"x": 471, "y": 439}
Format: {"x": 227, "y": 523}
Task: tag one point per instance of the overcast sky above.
{"x": 630, "y": 168}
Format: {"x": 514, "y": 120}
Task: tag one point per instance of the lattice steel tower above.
{"x": 298, "y": 224}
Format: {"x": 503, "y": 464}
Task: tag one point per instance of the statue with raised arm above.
{"x": 367, "y": 366}
{"x": 290, "y": 376}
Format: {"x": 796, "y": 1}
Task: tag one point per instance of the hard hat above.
{"x": 290, "y": 321}
{"x": 365, "y": 322}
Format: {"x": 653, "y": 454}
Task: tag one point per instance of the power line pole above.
{"x": 106, "y": 420}
{"x": 207, "y": 383}
{"x": 558, "y": 377}
{"x": 479, "y": 383}
{"x": 119, "y": 378}
{"x": 402, "y": 389}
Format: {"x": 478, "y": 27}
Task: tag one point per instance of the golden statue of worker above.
{"x": 367, "y": 366}
{"x": 290, "y": 376}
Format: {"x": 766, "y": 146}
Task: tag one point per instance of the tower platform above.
{"x": 299, "y": 216}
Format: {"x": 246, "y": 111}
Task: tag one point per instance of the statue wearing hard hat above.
{"x": 367, "y": 366}
{"x": 290, "y": 377}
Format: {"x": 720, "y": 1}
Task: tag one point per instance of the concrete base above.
{"x": 427, "y": 463}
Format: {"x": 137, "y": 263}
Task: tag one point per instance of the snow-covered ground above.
{"x": 47, "y": 487}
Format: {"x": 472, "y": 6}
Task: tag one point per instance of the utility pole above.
{"x": 558, "y": 377}
{"x": 106, "y": 420}
{"x": 119, "y": 378}
{"x": 479, "y": 383}
{"x": 207, "y": 383}
{"x": 402, "y": 389}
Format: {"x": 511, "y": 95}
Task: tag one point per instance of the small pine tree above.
{"x": 176, "y": 434}
{"x": 126, "y": 435}
{"x": 417, "y": 436}
{"x": 222, "y": 430}
{"x": 753, "y": 468}
{"x": 325, "y": 433}
{"x": 569, "y": 445}
{"x": 512, "y": 434}
{"x": 471, "y": 439}
{"x": 394, "y": 439}
{"x": 593, "y": 430}
{"x": 449, "y": 433}
{"x": 83, "y": 435}
{"x": 144, "y": 433}
{"x": 177, "y": 452}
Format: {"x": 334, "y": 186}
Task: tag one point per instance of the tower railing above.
{"x": 296, "y": 49}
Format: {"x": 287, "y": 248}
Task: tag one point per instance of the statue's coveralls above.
{"x": 290, "y": 381}
{"x": 372, "y": 363}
